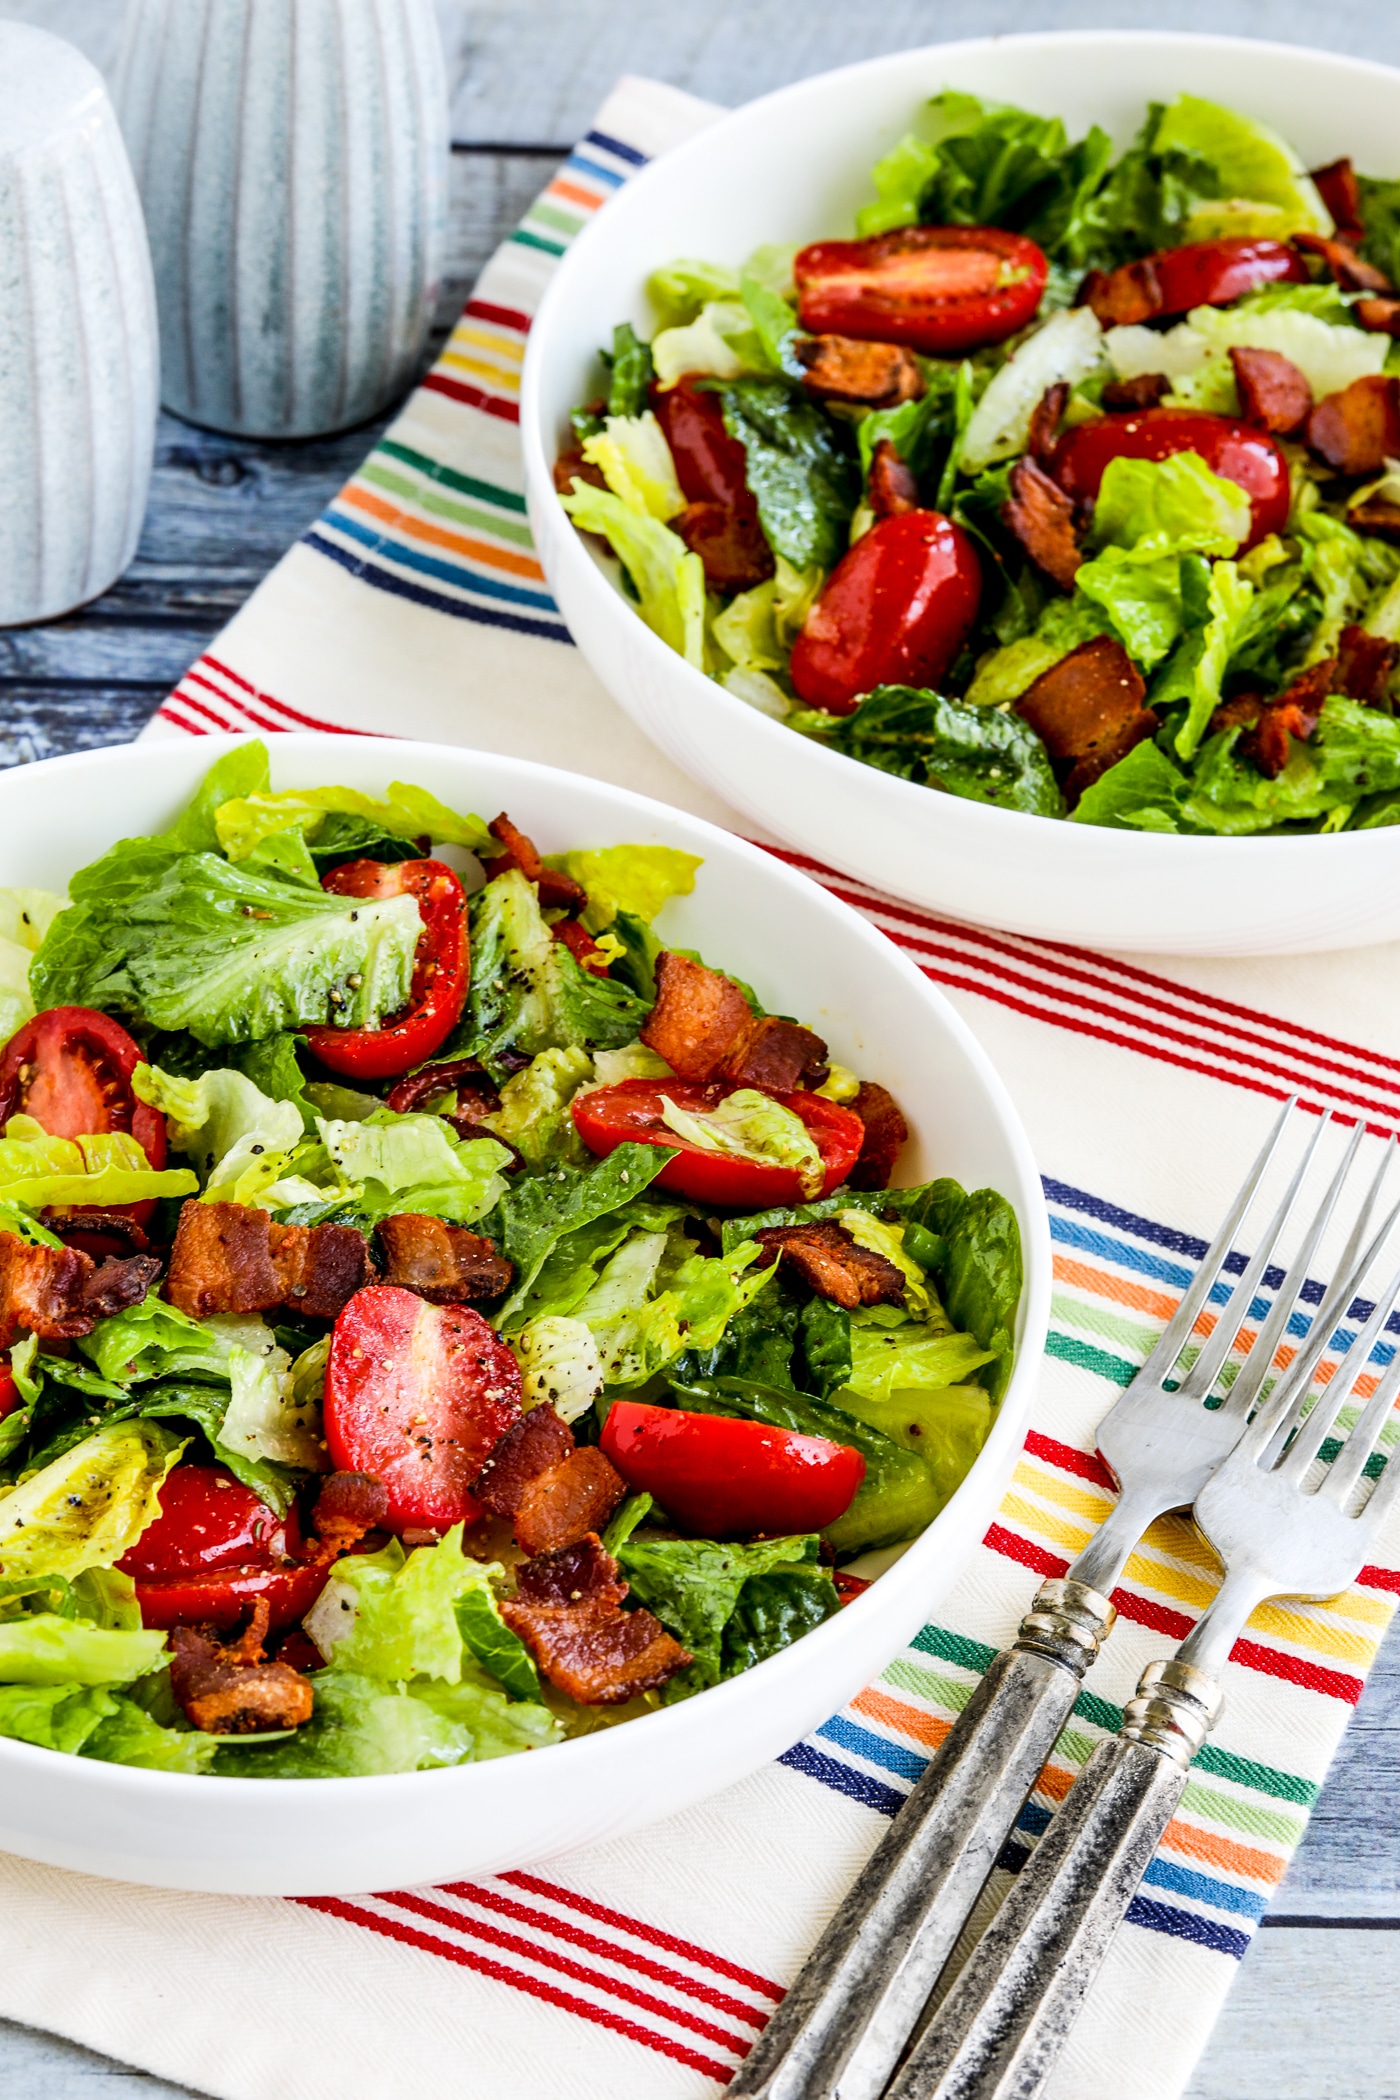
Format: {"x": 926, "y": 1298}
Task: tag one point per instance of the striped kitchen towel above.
{"x": 643, "y": 1968}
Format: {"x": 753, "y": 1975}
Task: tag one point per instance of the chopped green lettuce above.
{"x": 695, "y": 1587}
{"x": 1263, "y": 189}
{"x": 973, "y": 751}
{"x": 630, "y": 372}
{"x": 560, "y": 1364}
{"x": 680, "y": 289}
{"x": 635, "y": 460}
{"x": 129, "y": 1735}
{"x": 1142, "y": 792}
{"x": 752, "y": 1126}
{"x": 1197, "y": 667}
{"x": 238, "y": 1139}
{"x": 534, "y": 1112}
{"x": 888, "y": 1360}
{"x": 363, "y": 1726}
{"x": 1068, "y": 348}
{"x": 635, "y": 879}
{"x": 947, "y": 1426}
{"x": 44, "y": 1648}
{"x": 1154, "y": 507}
{"x": 656, "y": 1299}
{"x": 244, "y": 822}
{"x": 54, "y": 1716}
{"x": 397, "y": 1616}
{"x": 264, "y": 1418}
{"x": 527, "y": 993}
{"x": 803, "y": 478}
{"x": 414, "y": 1162}
{"x": 38, "y": 1170}
{"x": 90, "y": 1506}
{"x": 720, "y": 343}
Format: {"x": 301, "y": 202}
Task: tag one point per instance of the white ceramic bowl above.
{"x": 812, "y": 956}
{"x": 793, "y": 167}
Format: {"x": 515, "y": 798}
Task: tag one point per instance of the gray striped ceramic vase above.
{"x": 292, "y": 161}
{"x": 78, "y": 377}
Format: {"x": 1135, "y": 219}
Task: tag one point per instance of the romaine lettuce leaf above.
{"x": 130, "y": 1736}
{"x": 1068, "y": 347}
{"x": 947, "y": 1428}
{"x": 981, "y": 1269}
{"x": 560, "y": 1364}
{"x": 1143, "y": 792}
{"x": 1262, "y": 188}
{"x": 752, "y": 1126}
{"x": 54, "y": 1716}
{"x": 527, "y": 992}
{"x": 720, "y": 343}
{"x": 638, "y": 1335}
{"x": 362, "y": 1726}
{"x": 534, "y": 1111}
{"x": 414, "y": 1162}
{"x": 1354, "y": 752}
{"x": 630, "y": 371}
{"x": 90, "y": 1506}
{"x": 1154, "y": 507}
{"x": 190, "y": 942}
{"x": 694, "y": 1586}
{"x": 804, "y": 480}
{"x": 570, "y": 1219}
{"x": 635, "y": 461}
{"x": 909, "y": 1359}
{"x": 669, "y": 581}
{"x": 238, "y": 1139}
{"x": 392, "y": 1615}
{"x": 44, "y": 1648}
{"x": 244, "y": 822}
{"x": 38, "y": 1170}
{"x": 680, "y": 289}
{"x": 264, "y": 1419}
{"x": 973, "y": 751}
{"x": 635, "y": 879}
{"x": 1198, "y": 665}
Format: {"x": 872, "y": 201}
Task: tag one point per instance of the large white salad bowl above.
{"x": 810, "y": 955}
{"x": 794, "y": 166}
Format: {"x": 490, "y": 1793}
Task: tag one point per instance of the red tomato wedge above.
{"x": 730, "y": 1480}
{"x": 440, "y": 970}
{"x": 894, "y": 611}
{"x": 940, "y": 289}
{"x": 70, "y": 1068}
{"x": 630, "y": 1113}
{"x": 1203, "y": 273}
{"x": 711, "y": 466}
{"x": 418, "y": 1395}
{"x": 214, "y": 1550}
{"x": 9, "y": 1395}
{"x": 1235, "y": 451}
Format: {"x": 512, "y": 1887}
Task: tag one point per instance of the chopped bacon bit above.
{"x": 1365, "y": 663}
{"x": 1292, "y": 713}
{"x": 1143, "y": 390}
{"x": 1041, "y": 516}
{"x": 777, "y": 1055}
{"x": 1348, "y": 269}
{"x": 538, "y": 1441}
{"x": 443, "y": 1263}
{"x": 225, "y": 1688}
{"x": 349, "y": 1505}
{"x": 1341, "y": 193}
{"x": 455, "y": 1075}
{"x": 59, "y": 1293}
{"x": 885, "y": 1135}
{"x": 867, "y": 375}
{"x": 698, "y": 1018}
{"x": 1238, "y": 713}
{"x": 577, "y": 1574}
{"x": 1381, "y": 316}
{"x": 573, "y": 1498}
{"x": 228, "y": 1258}
{"x": 1122, "y": 298}
{"x": 571, "y": 466}
{"x": 892, "y": 488}
{"x": 836, "y": 1266}
{"x": 1045, "y": 421}
{"x": 1274, "y": 394}
{"x": 1357, "y": 430}
{"x": 595, "y": 1653}
{"x": 1376, "y": 515}
{"x": 729, "y": 541}
{"x": 557, "y": 891}
{"x": 582, "y": 945}
{"x": 118, "y": 1283}
{"x": 1087, "y": 706}
{"x": 97, "y": 1232}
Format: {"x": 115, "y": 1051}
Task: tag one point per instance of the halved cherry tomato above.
{"x": 418, "y": 1395}
{"x": 9, "y": 1395}
{"x": 941, "y": 289}
{"x": 1203, "y": 273}
{"x": 630, "y": 1113}
{"x": 1233, "y": 450}
{"x": 711, "y": 466}
{"x": 726, "y": 1479}
{"x": 70, "y": 1068}
{"x": 440, "y": 970}
{"x": 894, "y": 611}
{"x": 214, "y": 1550}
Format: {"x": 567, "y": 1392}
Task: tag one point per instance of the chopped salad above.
{"x": 1070, "y": 484}
{"x": 439, "y": 1317}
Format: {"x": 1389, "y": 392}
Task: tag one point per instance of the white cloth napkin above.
{"x": 641, "y": 1969}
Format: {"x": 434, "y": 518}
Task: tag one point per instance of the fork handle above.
{"x": 1000, "y": 2030}
{"x": 846, "y": 2020}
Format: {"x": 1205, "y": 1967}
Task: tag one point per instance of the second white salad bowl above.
{"x": 793, "y": 167}
{"x": 809, "y": 955}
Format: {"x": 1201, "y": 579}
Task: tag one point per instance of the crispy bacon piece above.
{"x": 1292, "y": 713}
{"x": 538, "y": 1441}
{"x": 832, "y": 1261}
{"x": 1341, "y": 193}
{"x": 1348, "y": 269}
{"x": 441, "y": 1262}
{"x": 595, "y": 1653}
{"x": 1378, "y": 515}
{"x": 1357, "y": 430}
{"x": 777, "y": 1055}
{"x": 1041, "y": 516}
{"x": 1088, "y": 711}
{"x": 1122, "y": 298}
{"x": 59, "y": 1293}
{"x": 97, "y": 1232}
{"x": 577, "y": 1574}
{"x": 1365, "y": 663}
{"x": 466, "y": 1077}
{"x": 697, "y": 1019}
{"x": 867, "y": 375}
{"x": 1381, "y": 316}
{"x": 226, "y": 1688}
{"x": 569, "y": 1500}
{"x": 571, "y": 466}
{"x": 1044, "y": 427}
{"x": 892, "y": 488}
{"x": 1237, "y": 713}
{"x": 348, "y": 1505}
{"x": 885, "y": 1134}
{"x": 1274, "y": 395}
{"x": 1143, "y": 390}
{"x": 520, "y": 851}
{"x": 228, "y": 1258}
{"x": 730, "y": 543}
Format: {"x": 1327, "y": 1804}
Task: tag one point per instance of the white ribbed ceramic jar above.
{"x": 292, "y": 159}
{"x": 78, "y": 362}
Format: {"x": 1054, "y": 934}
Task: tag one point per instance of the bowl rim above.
{"x": 139, "y": 1784}
{"x": 1156, "y": 851}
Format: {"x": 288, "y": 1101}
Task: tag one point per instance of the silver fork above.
{"x": 1000, "y": 2030}
{"x": 842, "y": 2027}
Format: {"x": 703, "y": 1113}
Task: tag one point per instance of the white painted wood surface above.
{"x": 1315, "y": 2013}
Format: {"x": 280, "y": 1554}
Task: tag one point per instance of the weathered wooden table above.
{"x": 1315, "y": 2014}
